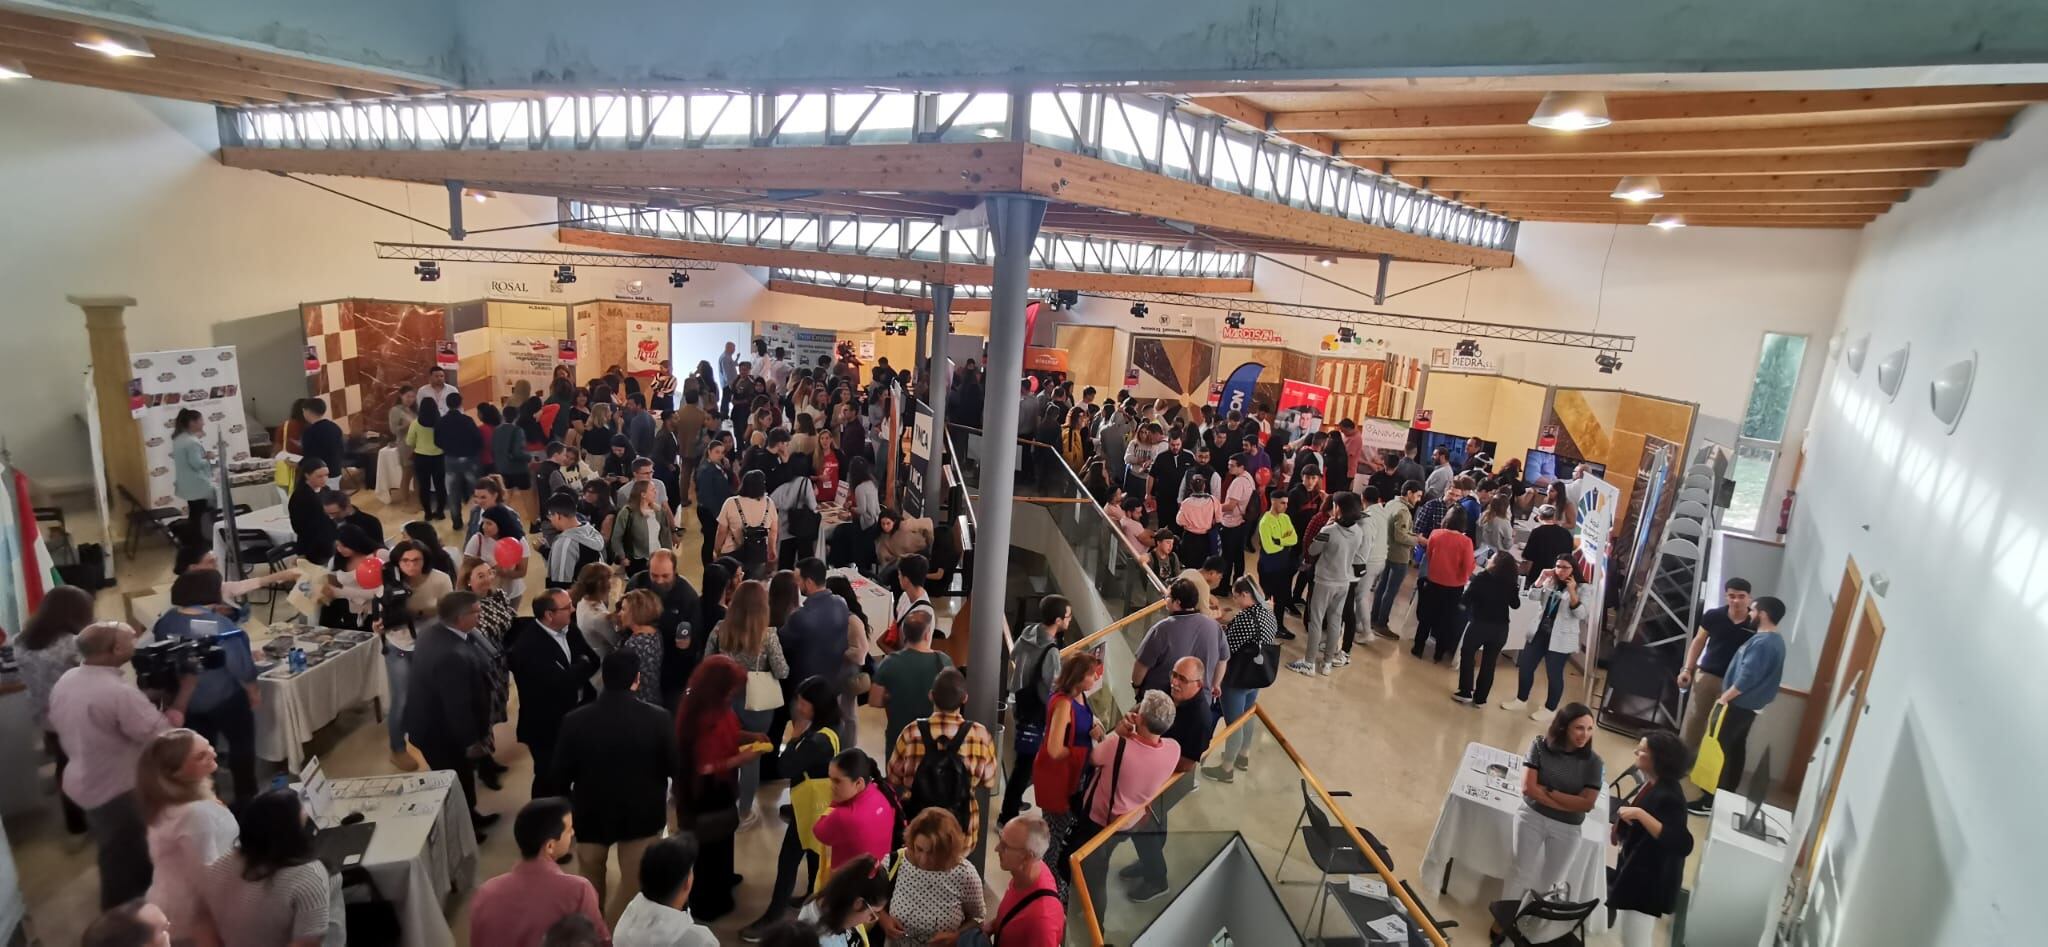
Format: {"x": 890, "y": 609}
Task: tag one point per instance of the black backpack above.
{"x": 941, "y": 780}
{"x": 753, "y": 548}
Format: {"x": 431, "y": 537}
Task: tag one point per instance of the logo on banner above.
{"x": 1449, "y": 360}
{"x": 511, "y": 287}
{"x": 1235, "y": 393}
{"x": 312, "y": 360}
{"x": 1546, "y": 439}
{"x": 444, "y": 355}
{"x": 1254, "y": 334}
{"x": 1422, "y": 419}
{"x": 634, "y": 289}
{"x": 565, "y": 351}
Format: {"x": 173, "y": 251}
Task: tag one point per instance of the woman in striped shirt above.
{"x": 1247, "y": 635}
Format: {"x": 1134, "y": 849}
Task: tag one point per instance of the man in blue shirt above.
{"x": 1751, "y": 685}
{"x": 223, "y": 704}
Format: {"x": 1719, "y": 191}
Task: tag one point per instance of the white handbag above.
{"x": 764, "y": 692}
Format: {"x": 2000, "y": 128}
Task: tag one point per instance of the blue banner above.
{"x": 1237, "y": 390}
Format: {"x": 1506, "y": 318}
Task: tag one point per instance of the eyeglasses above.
{"x": 1184, "y": 679}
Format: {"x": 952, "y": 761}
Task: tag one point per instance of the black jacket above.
{"x": 457, "y": 435}
{"x": 1546, "y": 542}
{"x": 550, "y": 685}
{"x": 448, "y": 697}
{"x": 680, "y": 606}
{"x": 323, "y": 441}
{"x": 313, "y": 531}
{"x": 1649, "y": 870}
{"x": 614, "y": 760}
{"x": 1490, "y": 596}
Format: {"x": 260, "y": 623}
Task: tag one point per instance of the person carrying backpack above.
{"x": 1034, "y": 666}
{"x": 747, "y": 525}
{"x": 943, "y": 761}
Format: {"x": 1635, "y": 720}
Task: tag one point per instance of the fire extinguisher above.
{"x": 1785, "y": 512}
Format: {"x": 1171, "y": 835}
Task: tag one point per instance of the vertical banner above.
{"x": 1301, "y": 394}
{"x": 646, "y": 346}
{"x": 1236, "y": 394}
{"x": 205, "y": 380}
{"x": 516, "y": 358}
{"x": 565, "y": 352}
{"x": 1595, "y": 500}
{"x": 96, "y": 441}
{"x": 445, "y": 356}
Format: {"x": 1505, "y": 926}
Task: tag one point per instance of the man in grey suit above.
{"x": 448, "y": 711}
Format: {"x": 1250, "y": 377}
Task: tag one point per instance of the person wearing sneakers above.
{"x": 1372, "y": 518}
{"x": 1401, "y": 540}
{"x": 1337, "y": 556}
{"x": 1564, "y": 614}
{"x": 1490, "y": 595}
{"x": 1249, "y": 632}
{"x": 1751, "y": 685}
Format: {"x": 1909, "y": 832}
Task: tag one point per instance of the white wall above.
{"x": 120, "y": 195}
{"x": 1949, "y": 755}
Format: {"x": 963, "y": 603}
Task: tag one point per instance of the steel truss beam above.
{"x": 458, "y": 253}
{"x": 1393, "y": 320}
{"x": 1153, "y": 132}
{"x": 885, "y": 285}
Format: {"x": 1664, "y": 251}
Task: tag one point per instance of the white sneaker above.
{"x": 1302, "y": 667}
{"x": 1341, "y": 660}
{"x": 1543, "y": 716}
{"x": 1324, "y": 669}
{"x": 1513, "y": 704}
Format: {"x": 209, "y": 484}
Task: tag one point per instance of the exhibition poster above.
{"x": 206, "y": 380}
{"x": 646, "y": 346}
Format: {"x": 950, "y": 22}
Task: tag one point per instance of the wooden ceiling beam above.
{"x": 1534, "y": 208}
{"x": 164, "y": 87}
{"x": 1512, "y": 112}
{"x": 1706, "y": 220}
{"x": 162, "y": 69}
{"x": 1096, "y": 183}
{"x": 1239, "y": 110}
{"x": 1879, "y": 181}
{"x": 1825, "y": 162}
{"x": 1961, "y": 131}
{"x": 930, "y": 271}
{"x": 1596, "y": 199}
{"x": 276, "y": 64}
{"x": 865, "y": 298}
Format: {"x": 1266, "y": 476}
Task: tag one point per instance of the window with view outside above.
{"x": 1763, "y": 426}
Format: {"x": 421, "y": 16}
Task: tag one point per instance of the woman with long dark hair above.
{"x": 1491, "y": 594}
{"x": 47, "y": 647}
{"x": 1561, "y": 782}
{"x": 806, "y": 761}
{"x": 745, "y": 636}
{"x": 1654, "y": 839}
{"x": 712, "y": 748}
{"x": 428, "y": 466}
{"x": 271, "y": 890}
{"x": 863, "y": 814}
{"x": 853, "y": 898}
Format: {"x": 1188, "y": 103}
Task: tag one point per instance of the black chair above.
{"x": 1506, "y": 914}
{"x": 142, "y": 518}
{"x": 1362, "y": 910}
{"x": 1329, "y": 847}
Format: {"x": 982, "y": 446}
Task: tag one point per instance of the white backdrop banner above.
{"x": 206, "y": 380}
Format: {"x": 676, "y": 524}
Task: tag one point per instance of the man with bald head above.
{"x": 103, "y": 722}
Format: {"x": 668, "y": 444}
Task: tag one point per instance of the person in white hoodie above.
{"x": 573, "y": 545}
{"x": 1372, "y": 519}
{"x": 1337, "y": 557}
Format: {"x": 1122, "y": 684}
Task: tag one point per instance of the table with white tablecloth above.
{"x": 273, "y": 520}
{"x": 295, "y": 705}
{"x": 422, "y": 849}
{"x": 1475, "y": 832}
{"x": 877, "y": 602}
{"x": 390, "y": 473}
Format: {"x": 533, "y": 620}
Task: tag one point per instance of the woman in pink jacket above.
{"x": 862, "y": 820}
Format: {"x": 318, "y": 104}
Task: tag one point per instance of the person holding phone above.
{"x": 1563, "y": 612}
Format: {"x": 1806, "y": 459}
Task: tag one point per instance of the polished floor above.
{"x": 1383, "y": 729}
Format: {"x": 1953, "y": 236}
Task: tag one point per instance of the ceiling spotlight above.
{"x": 1138, "y": 310}
{"x": 565, "y": 274}
{"x": 990, "y": 132}
{"x": 115, "y": 45}
{"x": 427, "y": 270}
{"x": 13, "y": 69}
{"x": 677, "y": 278}
{"x": 1234, "y": 320}
{"x": 1608, "y": 362}
{"x": 1571, "y": 112}
{"x": 480, "y": 195}
{"x": 1667, "y": 221}
{"x": 1638, "y": 187}
{"x": 1326, "y": 260}
{"x": 1469, "y": 348}
{"x": 1345, "y": 334}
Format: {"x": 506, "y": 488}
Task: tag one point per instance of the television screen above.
{"x": 1539, "y": 467}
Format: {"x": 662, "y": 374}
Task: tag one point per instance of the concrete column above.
{"x": 1013, "y": 223}
{"x": 935, "y": 369}
{"x": 106, "y": 337}
{"x": 920, "y": 360}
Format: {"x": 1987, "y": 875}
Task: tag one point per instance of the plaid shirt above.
{"x": 978, "y": 751}
{"x": 1430, "y": 516}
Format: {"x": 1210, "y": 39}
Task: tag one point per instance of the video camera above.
{"x": 159, "y": 664}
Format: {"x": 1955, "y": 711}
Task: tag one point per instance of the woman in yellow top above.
{"x": 427, "y": 463}
{"x": 1074, "y": 440}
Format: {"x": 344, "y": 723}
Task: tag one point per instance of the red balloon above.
{"x": 508, "y": 553}
{"x": 370, "y": 572}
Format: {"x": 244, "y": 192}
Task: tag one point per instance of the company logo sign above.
{"x": 1254, "y": 334}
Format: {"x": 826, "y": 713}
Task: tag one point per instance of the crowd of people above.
{"x": 655, "y": 710}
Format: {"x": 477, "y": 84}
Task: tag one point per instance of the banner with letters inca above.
{"x": 206, "y": 380}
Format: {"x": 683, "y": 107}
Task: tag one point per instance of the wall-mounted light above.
{"x": 1880, "y": 584}
{"x": 1949, "y": 393}
{"x": 1891, "y": 372}
{"x": 1638, "y": 188}
{"x": 677, "y": 278}
{"x": 114, "y": 45}
{"x": 1326, "y": 260}
{"x": 1854, "y": 354}
{"x": 1571, "y": 112}
{"x": 13, "y": 69}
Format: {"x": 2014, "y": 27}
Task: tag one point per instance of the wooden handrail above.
{"x": 1104, "y": 632}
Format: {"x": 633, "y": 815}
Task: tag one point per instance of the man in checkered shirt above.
{"x": 978, "y": 750}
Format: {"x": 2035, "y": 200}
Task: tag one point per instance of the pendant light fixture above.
{"x": 1667, "y": 221}
{"x": 1571, "y": 111}
{"x": 1637, "y": 188}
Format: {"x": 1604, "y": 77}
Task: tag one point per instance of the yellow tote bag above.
{"x": 1706, "y": 768}
{"x": 809, "y": 800}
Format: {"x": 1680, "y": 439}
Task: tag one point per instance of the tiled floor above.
{"x": 1384, "y": 729}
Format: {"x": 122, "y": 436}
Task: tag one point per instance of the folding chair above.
{"x": 1329, "y": 847}
{"x": 1506, "y": 914}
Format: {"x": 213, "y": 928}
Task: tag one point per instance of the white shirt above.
{"x": 439, "y": 396}
{"x": 647, "y": 924}
{"x": 185, "y": 839}
{"x": 561, "y": 637}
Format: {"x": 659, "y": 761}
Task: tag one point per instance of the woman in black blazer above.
{"x": 313, "y": 532}
{"x": 1654, "y": 840}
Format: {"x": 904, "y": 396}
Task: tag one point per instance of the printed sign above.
{"x": 1546, "y": 439}
{"x": 635, "y": 289}
{"x": 565, "y": 351}
{"x": 205, "y": 380}
{"x": 1422, "y": 419}
{"x": 525, "y": 358}
{"x": 864, "y": 350}
{"x": 1383, "y": 435}
{"x": 1256, "y": 335}
{"x": 1448, "y": 359}
{"x": 136, "y": 402}
{"x": 1130, "y": 378}
{"x": 511, "y": 287}
{"x": 1356, "y": 347}
{"x": 312, "y": 360}
{"x": 646, "y": 346}
{"x": 444, "y": 355}
{"x": 1301, "y": 394}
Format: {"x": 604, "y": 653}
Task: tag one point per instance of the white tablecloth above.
{"x": 390, "y": 473}
{"x": 423, "y": 847}
{"x": 274, "y": 520}
{"x": 294, "y": 706}
{"x": 1475, "y": 833}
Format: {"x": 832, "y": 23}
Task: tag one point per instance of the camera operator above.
{"x": 103, "y": 723}
{"x": 224, "y": 703}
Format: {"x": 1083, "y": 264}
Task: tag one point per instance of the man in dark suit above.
{"x": 614, "y": 761}
{"x": 552, "y": 664}
{"x": 448, "y": 711}
{"x": 322, "y": 439}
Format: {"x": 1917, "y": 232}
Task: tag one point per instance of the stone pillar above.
{"x": 106, "y": 336}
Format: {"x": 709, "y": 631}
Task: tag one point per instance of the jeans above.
{"x": 1553, "y": 673}
{"x": 1436, "y": 616}
{"x": 428, "y": 471}
{"x": 1544, "y": 848}
{"x": 1237, "y": 701}
{"x": 1480, "y": 655}
{"x": 123, "y": 843}
{"x": 235, "y": 721}
{"x": 461, "y": 473}
{"x": 398, "y": 672}
{"x": 750, "y": 774}
{"x": 1389, "y": 588}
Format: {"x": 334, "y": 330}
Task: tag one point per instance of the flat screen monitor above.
{"x": 1539, "y": 467}
{"x": 1426, "y": 443}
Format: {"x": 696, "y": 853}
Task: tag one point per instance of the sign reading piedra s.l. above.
{"x": 1448, "y": 359}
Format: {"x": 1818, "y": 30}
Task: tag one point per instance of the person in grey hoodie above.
{"x": 573, "y": 545}
{"x": 1035, "y": 666}
{"x": 1337, "y": 555}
